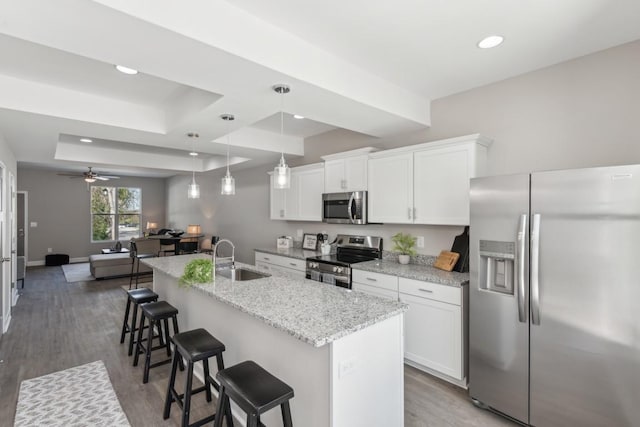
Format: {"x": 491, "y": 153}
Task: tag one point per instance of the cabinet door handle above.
{"x": 429, "y": 291}
{"x": 414, "y": 213}
{"x": 409, "y": 213}
{"x": 281, "y": 213}
{"x": 293, "y": 264}
{"x": 372, "y": 279}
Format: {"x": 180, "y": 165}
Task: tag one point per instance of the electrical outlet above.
{"x": 49, "y": 250}
{"x": 33, "y": 224}
{"x": 420, "y": 241}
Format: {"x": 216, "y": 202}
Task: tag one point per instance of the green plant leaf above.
{"x": 197, "y": 271}
{"x": 404, "y": 244}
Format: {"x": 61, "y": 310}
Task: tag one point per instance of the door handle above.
{"x": 535, "y": 269}
{"x": 520, "y": 259}
{"x": 7, "y": 259}
{"x": 409, "y": 213}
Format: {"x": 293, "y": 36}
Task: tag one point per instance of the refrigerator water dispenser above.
{"x": 497, "y": 273}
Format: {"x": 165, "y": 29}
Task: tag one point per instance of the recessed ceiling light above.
{"x": 126, "y": 70}
{"x": 87, "y": 140}
{"x": 489, "y": 42}
{"x": 298, "y": 116}
{"x": 193, "y": 153}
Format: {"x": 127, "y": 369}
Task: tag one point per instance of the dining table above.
{"x": 177, "y": 239}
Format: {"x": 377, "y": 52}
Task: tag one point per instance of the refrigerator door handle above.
{"x": 520, "y": 265}
{"x": 535, "y": 267}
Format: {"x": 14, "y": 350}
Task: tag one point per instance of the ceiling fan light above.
{"x": 228, "y": 185}
{"x": 90, "y": 179}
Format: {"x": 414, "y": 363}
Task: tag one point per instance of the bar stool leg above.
{"x": 286, "y": 414}
{"x": 139, "y": 340}
{"x": 147, "y": 357}
{"x": 207, "y": 379}
{"x": 133, "y": 328}
{"x": 137, "y": 273}
{"x": 166, "y": 337}
{"x": 125, "y": 324}
{"x": 133, "y": 264}
{"x": 222, "y": 397}
{"x": 175, "y": 331}
{"x": 170, "y": 389}
{"x": 186, "y": 402}
{"x": 252, "y": 420}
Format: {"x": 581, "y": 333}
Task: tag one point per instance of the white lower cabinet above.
{"x": 278, "y": 263}
{"x": 434, "y": 327}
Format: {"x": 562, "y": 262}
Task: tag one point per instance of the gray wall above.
{"x": 579, "y": 113}
{"x": 60, "y": 206}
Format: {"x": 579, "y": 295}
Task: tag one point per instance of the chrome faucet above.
{"x": 232, "y": 258}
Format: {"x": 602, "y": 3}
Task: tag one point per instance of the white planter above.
{"x": 404, "y": 259}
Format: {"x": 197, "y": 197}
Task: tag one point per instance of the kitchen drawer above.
{"x": 372, "y": 290}
{"x": 282, "y": 261}
{"x": 378, "y": 280}
{"x": 442, "y": 293}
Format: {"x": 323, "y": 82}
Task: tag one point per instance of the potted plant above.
{"x": 405, "y": 245}
{"x": 197, "y": 271}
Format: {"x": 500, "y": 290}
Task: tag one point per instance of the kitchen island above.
{"x": 341, "y": 351}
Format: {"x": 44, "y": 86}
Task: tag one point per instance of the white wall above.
{"x": 579, "y": 113}
{"x": 60, "y": 206}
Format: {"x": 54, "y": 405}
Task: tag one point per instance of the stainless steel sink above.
{"x": 241, "y": 274}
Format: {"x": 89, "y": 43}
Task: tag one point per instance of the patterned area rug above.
{"x": 80, "y": 396}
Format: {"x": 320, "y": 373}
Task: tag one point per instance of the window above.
{"x": 116, "y": 213}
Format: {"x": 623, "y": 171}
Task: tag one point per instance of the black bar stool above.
{"x": 194, "y": 346}
{"x": 156, "y": 312}
{"x": 255, "y": 390}
{"x": 137, "y": 297}
{"x": 135, "y": 263}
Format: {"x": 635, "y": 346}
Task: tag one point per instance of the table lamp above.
{"x": 193, "y": 229}
{"x": 151, "y": 226}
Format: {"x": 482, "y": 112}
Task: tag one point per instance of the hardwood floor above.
{"x": 57, "y": 325}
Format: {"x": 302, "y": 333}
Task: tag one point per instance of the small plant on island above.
{"x": 405, "y": 246}
{"x": 197, "y": 271}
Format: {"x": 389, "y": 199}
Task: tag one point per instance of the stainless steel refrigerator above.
{"x": 554, "y": 326}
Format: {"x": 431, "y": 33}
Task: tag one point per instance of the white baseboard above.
{"x": 460, "y": 383}
{"x": 71, "y": 261}
{"x": 16, "y": 295}
{"x": 5, "y": 325}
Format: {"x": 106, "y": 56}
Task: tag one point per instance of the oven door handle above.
{"x": 350, "y": 208}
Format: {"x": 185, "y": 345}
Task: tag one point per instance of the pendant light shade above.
{"x": 193, "y": 191}
{"x": 282, "y": 172}
{"x": 228, "y": 184}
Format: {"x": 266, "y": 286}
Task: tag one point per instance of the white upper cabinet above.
{"x": 391, "y": 189}
{"x": 303, "y": 200}
{"x": 426, "y": 183}
{"x": 346, "y": 171}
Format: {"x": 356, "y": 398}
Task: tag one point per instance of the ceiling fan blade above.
{"x": 110, "y": 176}
{"x": 101, "y": 178}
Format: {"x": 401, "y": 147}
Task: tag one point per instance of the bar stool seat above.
{"x": 135, "y": 297}
{"x": 193, "y": 346}
{"x": 255, "y": 390}
{"x": 157, "y": 313}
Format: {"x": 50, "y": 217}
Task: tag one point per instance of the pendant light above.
{"x": 193, "y": 191}
{"x": 228, "y": 183}
{"x": 282, "y": 172}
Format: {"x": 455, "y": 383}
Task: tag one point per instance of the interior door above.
{"x": 498, "y": 293}
{"x": 585, "y": 333}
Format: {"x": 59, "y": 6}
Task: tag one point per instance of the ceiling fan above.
{"x": 89, "y": 176}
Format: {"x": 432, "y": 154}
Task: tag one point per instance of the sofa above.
{"x": 119, "y": 264}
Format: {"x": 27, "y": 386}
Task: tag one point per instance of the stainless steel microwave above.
{"x": 345, "y": 208}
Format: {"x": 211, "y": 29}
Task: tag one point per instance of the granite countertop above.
{"x": 297, "y": 253}
{"x": 425, "y": 273}
{"x": 313, "y": 312}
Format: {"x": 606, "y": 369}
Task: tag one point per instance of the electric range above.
{"x": 335, "y": 269}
